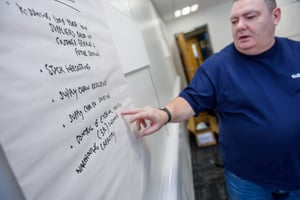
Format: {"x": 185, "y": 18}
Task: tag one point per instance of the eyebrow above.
{"x": 245, "y": 14}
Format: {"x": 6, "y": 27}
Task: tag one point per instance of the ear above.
{"x": 276, "y": 15}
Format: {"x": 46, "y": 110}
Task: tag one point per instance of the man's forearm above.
{"x": 180, "y": 110}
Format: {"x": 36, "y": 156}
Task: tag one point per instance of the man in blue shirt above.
{"x": 254, "y": 85}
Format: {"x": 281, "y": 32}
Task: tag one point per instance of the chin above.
{"x": 244, "y": 46}
{"x": 248, "y": 50}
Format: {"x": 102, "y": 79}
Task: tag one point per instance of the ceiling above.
{"x": 166, "y": 8}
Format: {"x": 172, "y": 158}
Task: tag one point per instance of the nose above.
{"x": 241, "y": 24}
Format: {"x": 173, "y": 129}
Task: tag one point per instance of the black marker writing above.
{"x": 92, "y": 151}
{"x": 76, "y": 115}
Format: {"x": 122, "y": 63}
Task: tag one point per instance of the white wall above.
{"x": 218, "y": 22}
{"x": 155, "y": 85}
{"x": 290, "y": 23}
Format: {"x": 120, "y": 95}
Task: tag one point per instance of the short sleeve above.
{"x": 200, "y": 93}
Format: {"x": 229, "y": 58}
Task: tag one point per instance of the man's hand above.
{"x": 156, "y": 117}
{"x": 179, "y": 110}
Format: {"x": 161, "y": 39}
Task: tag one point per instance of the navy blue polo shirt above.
{"x": 257, "y": 99}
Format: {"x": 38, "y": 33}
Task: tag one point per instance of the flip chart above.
{"x": 61, "y": 93}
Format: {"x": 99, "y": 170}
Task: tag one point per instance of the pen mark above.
{"x": 67, "y": 5}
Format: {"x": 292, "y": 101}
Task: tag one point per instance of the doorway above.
{"x": 194, "y": 48}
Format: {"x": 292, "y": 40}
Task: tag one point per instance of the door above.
{"x": 194, "y": 48}
{"x": 190, "y": 54}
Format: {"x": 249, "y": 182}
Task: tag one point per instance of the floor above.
{"x": 208, "y": 171}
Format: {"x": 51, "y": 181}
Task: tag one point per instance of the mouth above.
{"x": 243, "y": 37}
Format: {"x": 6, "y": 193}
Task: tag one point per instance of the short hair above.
{"x": 271, "y": 4}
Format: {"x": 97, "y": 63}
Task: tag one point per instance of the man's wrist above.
{"x": 166, "y": 110}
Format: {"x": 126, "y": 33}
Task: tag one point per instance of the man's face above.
{"x": 253, "y": 26}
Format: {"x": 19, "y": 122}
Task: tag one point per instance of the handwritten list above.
{"x": 65, "y": 88}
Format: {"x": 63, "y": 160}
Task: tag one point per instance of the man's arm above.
{"x": 179, "y": 109}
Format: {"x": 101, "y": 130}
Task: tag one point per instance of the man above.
{"x": 254, "y": 85}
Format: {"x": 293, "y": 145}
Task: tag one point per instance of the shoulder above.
{"x": 288, "y": 49}
{"x": 286, "y": 42}
{"x": 221, "y": 65}
{"x": 222, "y": 59}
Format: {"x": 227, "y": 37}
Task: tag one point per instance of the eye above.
{"x": 250, "y": 16}
{"x": 234, "y": 21}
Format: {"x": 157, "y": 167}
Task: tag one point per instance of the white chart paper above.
{"x": 61, "y": 92}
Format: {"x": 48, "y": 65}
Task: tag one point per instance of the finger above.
{"x": 138, "y": 125}
{"x": 130, "y": 111}
{"x": 138, "y": 116}
{"x": 150, "y": 130}
{"x": 144, "y": 123}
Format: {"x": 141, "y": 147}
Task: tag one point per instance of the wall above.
{"x": 155, "y": 85}
{"x": 289, "y": 25}
{"x": 218, "y": 22}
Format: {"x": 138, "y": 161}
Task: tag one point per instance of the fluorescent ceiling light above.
{"x": 186, "y": 10}
{"x": 177, "y": 13}
{"x": 194, "y": 7}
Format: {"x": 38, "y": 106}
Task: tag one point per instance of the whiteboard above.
{"x": 127, "y": 38}
{"x": 61, "y": 92}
